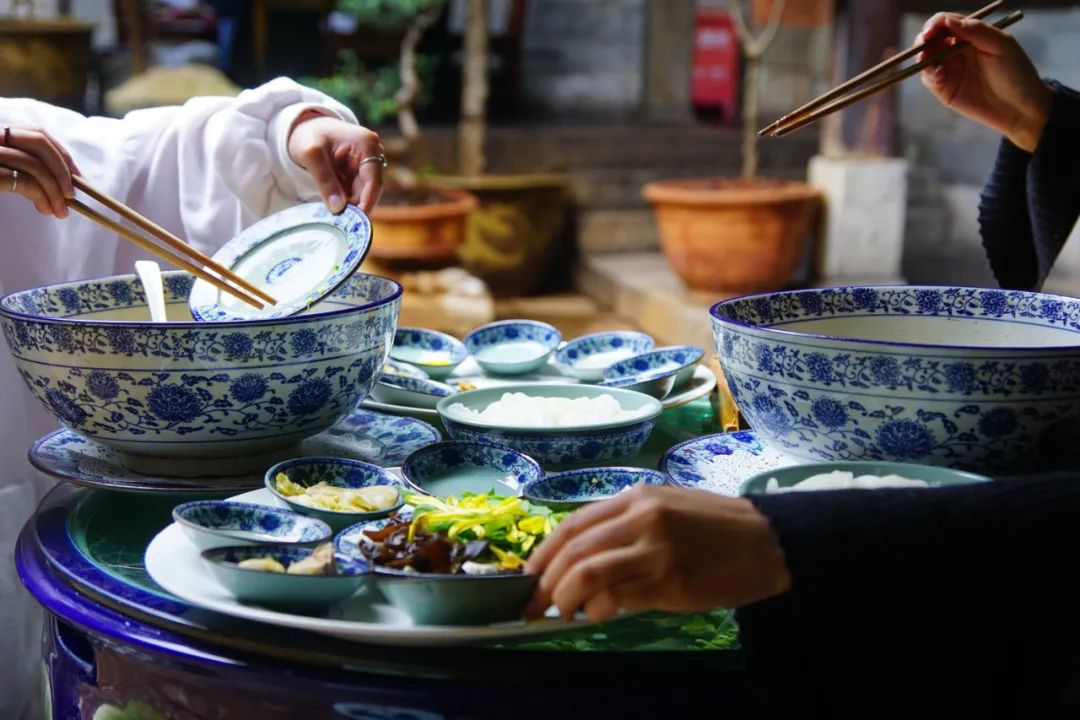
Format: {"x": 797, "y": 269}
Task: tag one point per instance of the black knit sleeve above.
{"x": 955, "y": 599}
{"x": 1031, "y": 201}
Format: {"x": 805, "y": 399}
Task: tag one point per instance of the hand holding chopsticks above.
{"x": 836, "y": 99}
{"x": 244, "y": 291}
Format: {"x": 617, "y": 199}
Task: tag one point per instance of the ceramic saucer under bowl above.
{"x": 721, "y": 463}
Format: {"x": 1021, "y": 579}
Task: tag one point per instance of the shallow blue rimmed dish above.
{"x": 676, "y": 360}
{"x": 282, "y": 590}
{"x": 216, "y": 523}
{"x": 336, "y": 472}
{"x": 434, "y": 352}
{"x": 513, "y": 347}
{"x": 971, "y": 378}
{"x": 453, "y": 467}
{"x": 410, "y": 391}
{"x": 442, "y": 599}
{"x": 586, "y": 357}
{"x": 574, "y": 488}
{"x": 932, "y": 475}
{"x": 556, "y": 446}
{"x": 393, "y": 367}
{"x": 655, "y": 384}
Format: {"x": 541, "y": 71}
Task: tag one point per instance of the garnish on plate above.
{"x": 472, "y": 535}
{"x": 319, "y": 562}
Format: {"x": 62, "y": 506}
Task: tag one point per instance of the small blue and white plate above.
{"x": 587, "y": 356}
{"x": 410, "y": 391}
{"x": 722, "y": 463}
{"x": 298, "y": 256}
{"x": 676, "y": 360}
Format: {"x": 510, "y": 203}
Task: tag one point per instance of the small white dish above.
{"x": 299, "y": 256}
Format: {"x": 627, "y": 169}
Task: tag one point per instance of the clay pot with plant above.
{"x": 516, "y": 234}
{"x": 733, "y": 235}
{"x": 416, "y": 223}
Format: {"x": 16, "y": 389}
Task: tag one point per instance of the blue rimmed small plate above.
{"x": 338, "y": 473}
{"x": 393, "y": 367}
{"x": 411, "y": 391}
{"x": 434, "y": 352}
{"x": 215, "y": 523}
{"x": 513, "y": 347}
{"x": 453, "y": 467}
{"x": 722, "y": 463}
{"x": 299, "y": 256}
{"x": 587, "y": 356}
{"x": 677, "y": 360}
{"x": 574, "y": 488}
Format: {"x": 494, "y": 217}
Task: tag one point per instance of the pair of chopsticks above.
{"x": 828, "y": 103}
{"x": 245, "y": 291}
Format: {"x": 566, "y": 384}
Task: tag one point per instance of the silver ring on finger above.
{"x": 380, "y": 158}
{"x": 14, "y": 180}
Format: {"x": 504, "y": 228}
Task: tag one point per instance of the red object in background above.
{"x": 715, "y": 81}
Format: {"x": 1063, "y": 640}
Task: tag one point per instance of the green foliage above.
{"x": 391, "y": 14}
{"x": 369, "y": 92}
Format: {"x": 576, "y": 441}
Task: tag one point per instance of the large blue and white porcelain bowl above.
{"x": 976, "y": 379}
{"x": 90, "y": 354}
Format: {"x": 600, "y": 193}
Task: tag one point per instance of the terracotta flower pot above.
{"x": 515, "y": 236}
{"x": 732, "y": 235}
{"x": 426, "y": 225}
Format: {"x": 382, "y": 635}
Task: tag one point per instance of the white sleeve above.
{"x": 205, "y": 169}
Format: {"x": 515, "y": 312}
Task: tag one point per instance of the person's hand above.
{"x": 658, "y": 548}
{"x": 35, "y": 166}
{"x": 331, "y": 150}
{"x": 992, "y": 81}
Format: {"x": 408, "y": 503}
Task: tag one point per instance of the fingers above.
{"x": 72, "y": 167}
{"x": 320, "y": 165}
{"x": 597, "y": 577}
{"x": 574, "y": 524}
{"x": 983, "y": 37}
{"x": 28, "y": 187}
{"x": 34, "y": 153}
{"x": 366, "y": 178}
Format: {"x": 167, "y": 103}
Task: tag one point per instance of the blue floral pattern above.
{"x": 721, "y": 463}
{"x": 507, "y": 331}
{"x": 228, "y": 518}
{"x": 136, "y": 384}
{"x": 580, "y": 348}
{"x": 436, "y": 460}
{"x": 831, "y": 399}
{"x": 575, "y": 486}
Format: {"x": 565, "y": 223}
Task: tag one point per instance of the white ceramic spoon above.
{"x": 150, "y": 277}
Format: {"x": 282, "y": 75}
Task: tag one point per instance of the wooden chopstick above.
{"x": 893, "y": 79}
{"x": 161, "y": 252}
{"x": 167, "y": 237}
{"x": 872, "y": 72}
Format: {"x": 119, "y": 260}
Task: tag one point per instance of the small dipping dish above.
{"x": 335, "y": 472}
{"x": 677, "y": 360}
{"x": 655, "y": 384}
{"x": 216, "y": 523}
{"x": 436, "y": 353}
{"x": 393, "y": 367}
{"x": 572, "y": 489}
{"x": 284, "y": 590}
{"x": 513, "y": 347}
{"x": 410, "y": 391}
{"x": 454, "y": 467}
{"x": 586, "y": 357}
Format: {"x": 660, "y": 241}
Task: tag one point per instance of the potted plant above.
{"x": 737, "y": 235}
{"x": 513, "y": 239}
{"x": 415, "y": 223}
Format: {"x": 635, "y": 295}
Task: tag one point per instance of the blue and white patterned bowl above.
{"x": 442, "y": 599}
{"x": 976, "y": 379}
{"x": 587, "y": 357}
{"x": 216, "y": 523}
{"x": 393, "y": 367}
{"x": 451, "y": 468}
{"x": 557, "y": 446}
{"x": 436, "y": 353}
{"x": 410, "y": 391}
{"x": 281, "y": 590}
{"x": 574, "y": 488}
{"x": 89, "y": 353}
{"x": 658, "y": 384}
{"x": 336, "y": 472}
{"x": 513, "y": 347}
{"x": 678, "y": 361}
{"x": 931, "y": 475}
